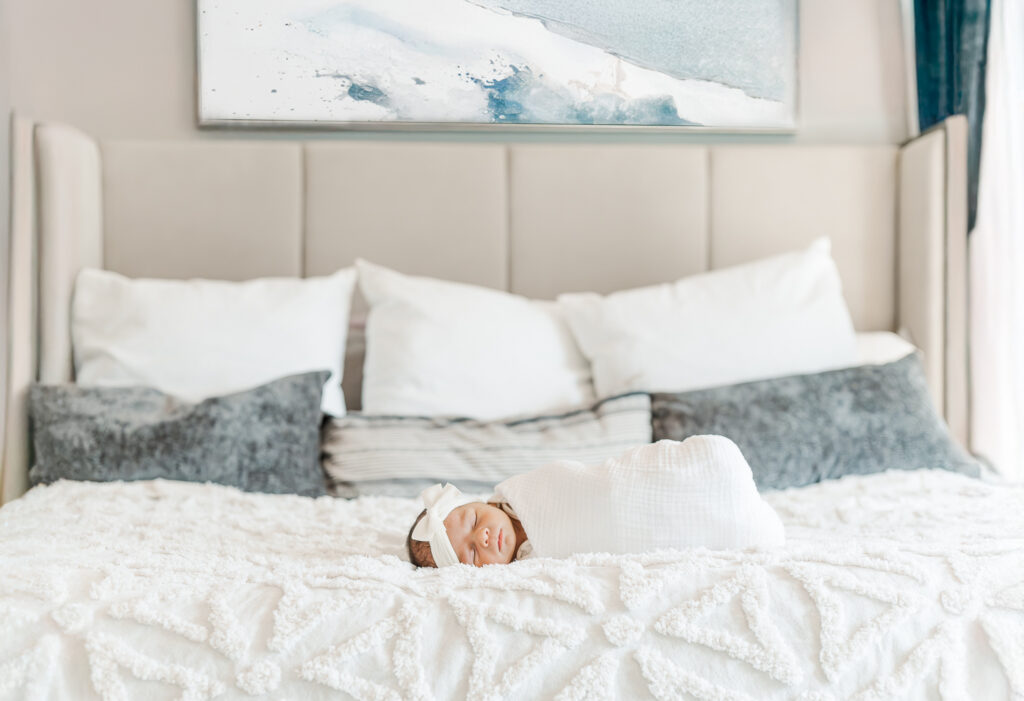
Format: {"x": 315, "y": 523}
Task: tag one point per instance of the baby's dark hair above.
{"x": 419, "y": 550}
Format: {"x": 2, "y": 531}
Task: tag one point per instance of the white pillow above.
{"x": 195, "y": 339}
{"x": 437, "y": 348}
{"x": 779, "y": 316}
{"x": 882, "y": 347}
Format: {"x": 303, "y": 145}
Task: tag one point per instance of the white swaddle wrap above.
{"x": 665, "y": 495}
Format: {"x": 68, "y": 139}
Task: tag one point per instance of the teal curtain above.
{"x": 951, "y": 39}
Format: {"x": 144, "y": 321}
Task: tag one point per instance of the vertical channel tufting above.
{"x": 605, "y": 217}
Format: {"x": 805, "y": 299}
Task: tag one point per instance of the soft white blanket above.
{"x": 893, "y": 586}
{"x": 663, "y": 495}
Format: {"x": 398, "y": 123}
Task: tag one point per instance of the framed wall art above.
{"x": 719, "y": 64}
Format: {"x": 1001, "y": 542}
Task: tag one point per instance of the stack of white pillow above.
{"x": 437, "y": 348}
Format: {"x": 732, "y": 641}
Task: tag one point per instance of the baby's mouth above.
{"x": 501, "y": 537}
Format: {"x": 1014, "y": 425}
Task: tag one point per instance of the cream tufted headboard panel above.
{"x": 533, "y": 219}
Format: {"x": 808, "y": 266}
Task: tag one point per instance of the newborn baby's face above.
{"x": 481, "y": 534}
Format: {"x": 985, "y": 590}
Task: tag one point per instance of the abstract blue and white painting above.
{"x": 707, "y": 63}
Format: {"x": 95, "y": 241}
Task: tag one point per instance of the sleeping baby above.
{"x": 665, "y": 495}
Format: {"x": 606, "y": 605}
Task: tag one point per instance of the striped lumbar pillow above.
{"x": 400, "y": 455}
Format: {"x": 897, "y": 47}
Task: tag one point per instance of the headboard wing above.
{"x": 932, "y": 258}
{"x": 70, "y": 235}
{"x": 22, "y": 323}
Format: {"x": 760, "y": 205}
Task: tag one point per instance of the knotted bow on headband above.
{"x": 439, "y": 502}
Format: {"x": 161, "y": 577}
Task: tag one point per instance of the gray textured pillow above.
{"x": 266, "y": 439}
{"x": 807, "y": 428}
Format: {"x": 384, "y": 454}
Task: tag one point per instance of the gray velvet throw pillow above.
{"x": 266, "y": 439}
{"x": 807, "y": 428}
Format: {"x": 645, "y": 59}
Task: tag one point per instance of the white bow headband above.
{"x": 439, "y": 502}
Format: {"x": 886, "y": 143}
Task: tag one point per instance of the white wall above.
{"x": 126, "y": 68}
{"x": 852, "y": 71}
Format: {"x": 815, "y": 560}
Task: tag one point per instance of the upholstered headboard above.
{"x": 533, "y": 219}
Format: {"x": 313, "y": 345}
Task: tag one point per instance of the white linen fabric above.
{"x": 438, "y": 348}
{"x": 699, "y": 492}
{"x": 400, "y": 455}
{"x": 779, "y": 316}
{"x": 901, "y": 585}
{"x": 195, "y": 339}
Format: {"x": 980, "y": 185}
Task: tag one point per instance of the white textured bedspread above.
{"x": 901, "y": 585}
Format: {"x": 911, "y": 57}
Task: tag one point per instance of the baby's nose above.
{"x": 485, "y": 536}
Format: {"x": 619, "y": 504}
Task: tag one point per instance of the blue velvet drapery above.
{"x": 951, "y": 39}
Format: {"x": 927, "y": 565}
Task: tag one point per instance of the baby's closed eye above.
{"x": 473, "y": 556}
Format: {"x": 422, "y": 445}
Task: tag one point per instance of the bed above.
{"x": 129, "y": 590}
{"x": 902, "y": 584}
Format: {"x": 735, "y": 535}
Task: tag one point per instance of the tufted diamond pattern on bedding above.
{"x": 898, "y": 585}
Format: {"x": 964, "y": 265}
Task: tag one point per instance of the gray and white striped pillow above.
{"x": 400, "y": 455}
